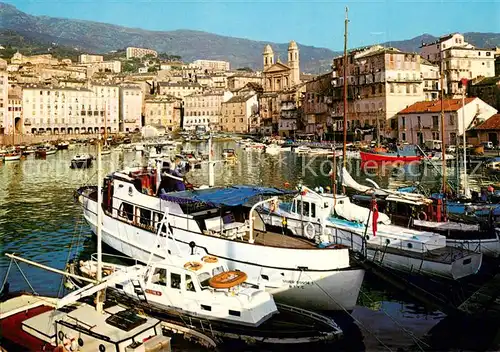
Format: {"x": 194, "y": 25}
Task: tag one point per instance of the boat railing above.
{"x": 318, "y": 317}
{"x": 93, "y": 257}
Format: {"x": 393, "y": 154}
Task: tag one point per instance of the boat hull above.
{"x": 81, "y": 164}
{"x": 401, "y": 260}
{"x": 329, "y": 288}
{"x": 365, "y": 156}
{"x": 13, "y": 157}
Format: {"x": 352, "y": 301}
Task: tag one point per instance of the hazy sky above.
{"x": 318, "y": 23}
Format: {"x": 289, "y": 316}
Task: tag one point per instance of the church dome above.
{"x": 268, "y": 49}
{"x": 292, "y": 45}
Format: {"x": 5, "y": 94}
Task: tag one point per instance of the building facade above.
{"x": 203, "y": 110}
{"x": 4, "y": 100}
{"x": 487, "y": 89}
{"x": 430, "y": 75}
{"x": 211, "y": 65}
{"x": 459, "y": 59}
{"x": 114, "y": 66}
{"x": 421, "y": 121}
{"x": 488, "y": 131}
{"x": 241, "y": 79}
{"x": 164, "y": 111}
{"x": 70, "y": 110}
{"x": 381, "y": 81}
{"x": 15, "y": 123}
{"x": 90, "y": 59}
{"x": 278, "y": 76}
{"x": 133, "y": 52}
{"x": 179, "y": 89}
{"x": 237, "y": 113}
{"x": 130, "y": 108}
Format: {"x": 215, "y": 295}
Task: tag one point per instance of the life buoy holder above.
{"x": 227, "y": 279}
{"x": 210, "y": 259}
{"x": 194, "y": 266}
{"x": 284, "y": 222}
{"x": 309, "y": 234}
{"x": 422, "y": 216}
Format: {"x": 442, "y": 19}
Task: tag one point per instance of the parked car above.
{"x": 487, "y": 145}
{"x": 451, "y": 149}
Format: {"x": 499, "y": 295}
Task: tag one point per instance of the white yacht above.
{"x": 204, "y": 292}
{"x": 222, "y": 222}
{"x": 332, "y": 220}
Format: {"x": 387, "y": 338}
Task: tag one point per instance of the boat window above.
{"x": 294, "y": 207}
{"x": 175, "y": 280}
{"x": 313, "y": 210}
{"x": 145, "y": 217}
{"x": 127, "y": 211}
{"x": 159, "y": 277}
{"x": 204, "y": 278}
{"x": 305, "y": 208}
{"x": 205, "y": 307}
{"x": 189, "y": 283}
{"x": 234, "y": 313}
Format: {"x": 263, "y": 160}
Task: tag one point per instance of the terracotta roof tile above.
{"x": 493, "y": 123}
{"x": 435, "y": 106}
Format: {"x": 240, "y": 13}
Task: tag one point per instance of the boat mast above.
{"x": 344, "y": 151}
{"x": 211, "y": 178}
{"x": 100, "y": 294}
{"x": 443, "y": 161}
{"x": 466, "y": 182}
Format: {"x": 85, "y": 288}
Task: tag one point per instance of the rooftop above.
{"x": 487, "y": 81}
{"x": 493, "y": 123}
{"x": 238, "y": 99}
{"x": 435, "y": 106}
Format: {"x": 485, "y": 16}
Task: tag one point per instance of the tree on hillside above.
{"x": 245, "y": 69}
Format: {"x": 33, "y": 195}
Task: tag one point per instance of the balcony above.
{"x": 404, "y": 79}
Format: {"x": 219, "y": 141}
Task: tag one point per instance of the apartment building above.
{"x": 55, "y": 109}
{"x": 381, "y": 82}
{"x": 114, "y": 66}
{"x": 240, "y": 79}
{"x": 45, "y": 59}
{"x": 164, "y": 111}
{"x": 130, "y": 108}
{"x": 14, "y": 123}
{"x": 421, "y": 121}
{"x": 90, "y": 59}
{"x": 179, "y": 89}
{"x": 430, "y": 75}
{"x": 211, "y": 65}
{"x": 316, "y": 103}
{"x": 133, "y": 52}
{"x": 487, "y": 89}
{"x": 237, "y": 113}
{"x": 459, "y": 59}
{"x": 203, "y": 110}
{"x": 4, "y": 97}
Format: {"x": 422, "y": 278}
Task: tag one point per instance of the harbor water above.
{"x": 41, "y": 221}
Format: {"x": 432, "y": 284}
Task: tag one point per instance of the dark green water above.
{"x": 39, "y": 220}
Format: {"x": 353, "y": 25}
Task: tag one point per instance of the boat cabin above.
{"x": 204, "y": 286}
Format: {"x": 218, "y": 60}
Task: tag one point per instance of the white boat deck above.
{"x": 23, "y": 303}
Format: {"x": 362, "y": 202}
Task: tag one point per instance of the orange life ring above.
{"x": 422, "y": 216}
{"x": 210, "y": 259}
{"x": 193, "y": 266}
{"x": 227, "y": 279}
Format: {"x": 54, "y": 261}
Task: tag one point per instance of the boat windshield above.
{"x": 204, "y": 278}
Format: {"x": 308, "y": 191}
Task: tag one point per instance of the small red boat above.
{"x": 367, "y": 156}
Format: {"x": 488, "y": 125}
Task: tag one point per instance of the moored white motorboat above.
{"x": 203, "y": 291}
{"x": 81, "y": 161}
{"x": 302, "y": 149}
{"x": 273, "y": 149}
{"x": 296, "y": 271}
{"x": 12, "y": 156}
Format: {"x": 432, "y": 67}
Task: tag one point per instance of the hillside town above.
{"x": 391, "y": 94}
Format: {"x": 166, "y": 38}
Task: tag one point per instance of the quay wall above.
{"x": 29, "y": 139}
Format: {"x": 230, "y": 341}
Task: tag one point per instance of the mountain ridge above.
{"x": 99, "y": 37}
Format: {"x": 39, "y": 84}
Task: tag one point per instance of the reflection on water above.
{"x": 40, "y": 220}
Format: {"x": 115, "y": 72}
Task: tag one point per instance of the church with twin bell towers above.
{"x": 278, "y": 76}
